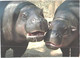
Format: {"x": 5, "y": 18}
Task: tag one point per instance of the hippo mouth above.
{"x": 52, "y": 45}
{"x": 35, "y": 36}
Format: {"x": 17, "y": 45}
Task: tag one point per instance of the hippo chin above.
{"x": 20, "y": 22}
{"x": 64, "y": 29}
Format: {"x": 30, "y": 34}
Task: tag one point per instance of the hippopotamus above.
{"x": 20, "y": 23}
{"x": 63, "y": 31}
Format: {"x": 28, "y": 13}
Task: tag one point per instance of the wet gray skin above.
{"x": 64, "y": 27}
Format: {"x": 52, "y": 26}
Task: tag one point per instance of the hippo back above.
{"x": 71, "y": 8}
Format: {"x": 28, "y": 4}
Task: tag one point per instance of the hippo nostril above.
{"x": 60, "y": 36}
{"x": 57, "y": 34}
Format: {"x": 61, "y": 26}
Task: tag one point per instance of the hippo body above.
{"x": 64, "y": 29}
{"x": 15, "y": 21}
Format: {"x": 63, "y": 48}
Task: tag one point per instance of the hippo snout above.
{"x": 36, "y": 29}
{"x": 53, "y": 39}
{"x": 36, "y": 25}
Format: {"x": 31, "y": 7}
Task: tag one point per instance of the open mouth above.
{"x": 35, "y": 34}
{"x": 52, "y": 44}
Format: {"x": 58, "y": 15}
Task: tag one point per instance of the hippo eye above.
{"x": 24, "y": 15}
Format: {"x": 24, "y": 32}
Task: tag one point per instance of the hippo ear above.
{"x": 73, "y": 28}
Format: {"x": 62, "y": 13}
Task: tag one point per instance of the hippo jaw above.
{"x": 54, "y": 42}
{"x": 35, "y": 36}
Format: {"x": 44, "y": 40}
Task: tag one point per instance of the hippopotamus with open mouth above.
{"x": 20, "y": 22}
{"x": 64, "y": 29}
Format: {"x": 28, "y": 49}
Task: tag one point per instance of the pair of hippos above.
{"x": 24, "y": 22}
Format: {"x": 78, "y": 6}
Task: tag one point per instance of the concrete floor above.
{"x": 37, "y": 49}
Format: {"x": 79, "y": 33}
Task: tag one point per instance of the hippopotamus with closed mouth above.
{"x": 64, "y": 29}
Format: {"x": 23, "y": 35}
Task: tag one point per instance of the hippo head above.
{"x": 31, "y": 23}
{"x": 61, "y": 34}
